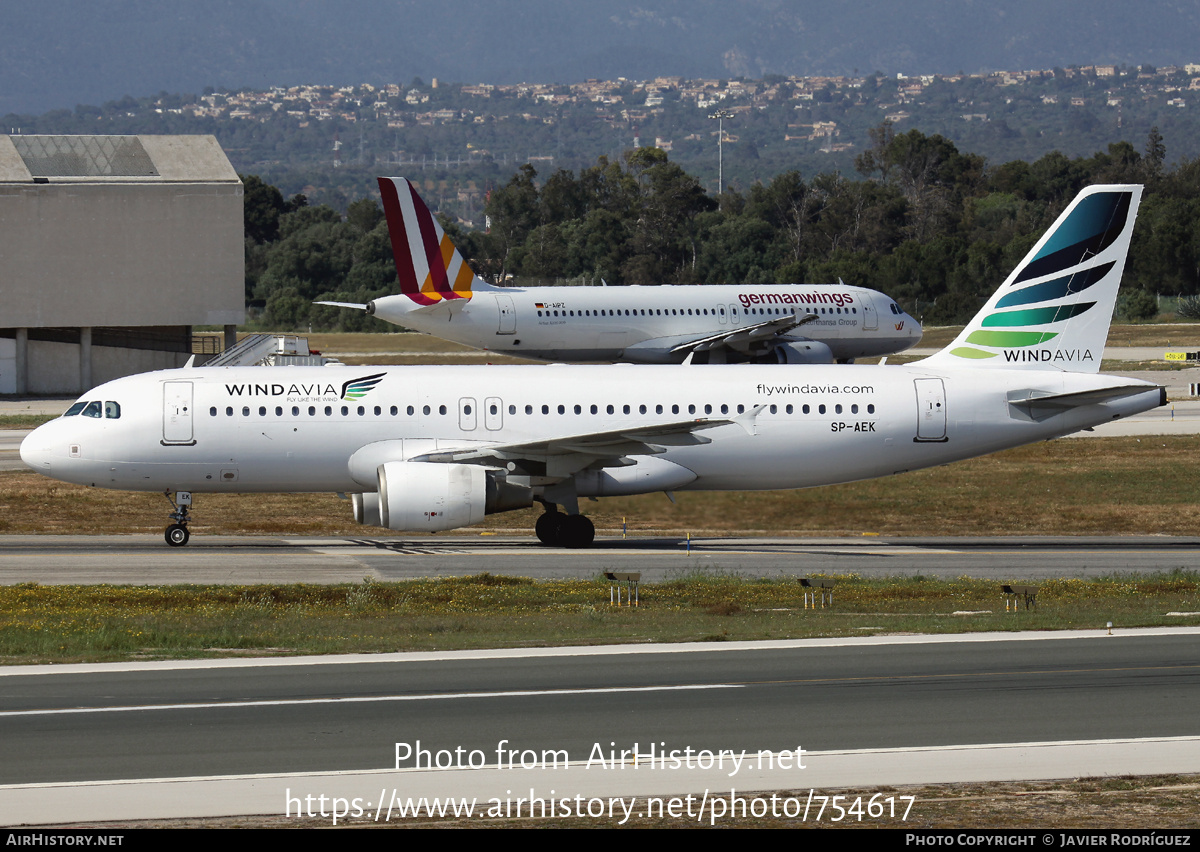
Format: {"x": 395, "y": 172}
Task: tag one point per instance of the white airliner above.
{"x": 440, "y": 295}
{"x": 437, "y": 448}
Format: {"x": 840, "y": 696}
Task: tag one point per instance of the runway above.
{"x": 143, "y": 559}
{"x": 243, "y": 736}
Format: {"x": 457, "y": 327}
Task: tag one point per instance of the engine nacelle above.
{"x": 798, "y": 352}
{"x": 428, "y": 496}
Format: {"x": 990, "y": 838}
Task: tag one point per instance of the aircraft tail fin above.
{"x": 429, "y": 266}
{"x": 1053, "y": 311}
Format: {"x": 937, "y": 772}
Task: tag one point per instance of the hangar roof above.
{"x": 108, "y": 158}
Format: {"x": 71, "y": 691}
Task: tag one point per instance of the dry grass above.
{"x": 1096, "y": 486}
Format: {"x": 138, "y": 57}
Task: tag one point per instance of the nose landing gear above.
{"x": 177, "y": 534}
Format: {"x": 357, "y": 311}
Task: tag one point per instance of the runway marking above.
{"x": 400, "y": 657}
{"x": 374, "y": 699}
{"x": 527, "y": 693}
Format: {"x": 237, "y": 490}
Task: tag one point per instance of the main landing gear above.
{"x": 177, "y": 534}
{"x": 560, "y": 530}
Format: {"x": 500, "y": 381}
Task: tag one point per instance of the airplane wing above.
{"x": 746, "y": 337}
{"x": 562, "y": 456}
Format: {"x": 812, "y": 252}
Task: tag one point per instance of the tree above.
{"x": 262, "y": 205}
{"x": 1156, "y": 153}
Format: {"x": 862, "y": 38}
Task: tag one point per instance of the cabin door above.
{"x": 870, "y": 315}
{"x": 931, "y": 410}
{"x": 508, "y": 315}
{"x": 177, "y": 413}
{"x": 493, "y": 413}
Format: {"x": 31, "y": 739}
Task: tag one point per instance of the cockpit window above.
{"x": 112, "y": 410}
{"x": 93, "y": 409}
{"x": 75, "y": 409}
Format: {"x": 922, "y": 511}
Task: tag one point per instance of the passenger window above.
{"x": 228, "y": 411}
{"x": 262, "y": 411}
{"x": 870, "y": 409}
{"x": 295, "y": 411}
{"x": 579, "y": 409}
{"x": 312, "y": 411}
{"x": 345, "y": 411}
{"x": 245, "y": 411}
{"x": 112, "y": 410}
{"x": 212, "y": 411}
{"x": 279, "y": 411}
{"x": 425, "y": 409}
{"x": 441, "y": 409}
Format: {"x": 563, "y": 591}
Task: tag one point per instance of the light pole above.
{"x": 720, "y": 115}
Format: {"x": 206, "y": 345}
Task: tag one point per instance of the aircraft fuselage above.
{"x": 315, "y": 429}
{"x": 647, "y": 324}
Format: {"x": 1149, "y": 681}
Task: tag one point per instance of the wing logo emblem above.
{"x": 358, "y": 388}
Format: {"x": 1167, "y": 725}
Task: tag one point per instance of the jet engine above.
{"x": 797, "y": 352}
{"x": 427, "y": 496}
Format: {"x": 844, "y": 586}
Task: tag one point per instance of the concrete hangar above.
{"x": 111, "y": 249}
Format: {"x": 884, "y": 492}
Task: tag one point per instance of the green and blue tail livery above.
{"x": 1054, "y": 310}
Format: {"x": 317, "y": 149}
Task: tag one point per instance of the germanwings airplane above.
{"x": 437, "y": 448}
{"x": 440, "y": 295}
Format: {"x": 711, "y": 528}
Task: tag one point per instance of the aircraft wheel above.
{"x": 577, "y": 531}
{"x": 549, "y": 527}
{"x": 177, "y": 535}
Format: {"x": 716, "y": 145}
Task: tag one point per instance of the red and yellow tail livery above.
{"x": 428, "y": 265}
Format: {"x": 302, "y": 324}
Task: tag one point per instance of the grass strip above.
{"x": 42, "y": 624}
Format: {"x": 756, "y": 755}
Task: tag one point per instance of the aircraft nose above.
{"x": 37, "y": 449}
